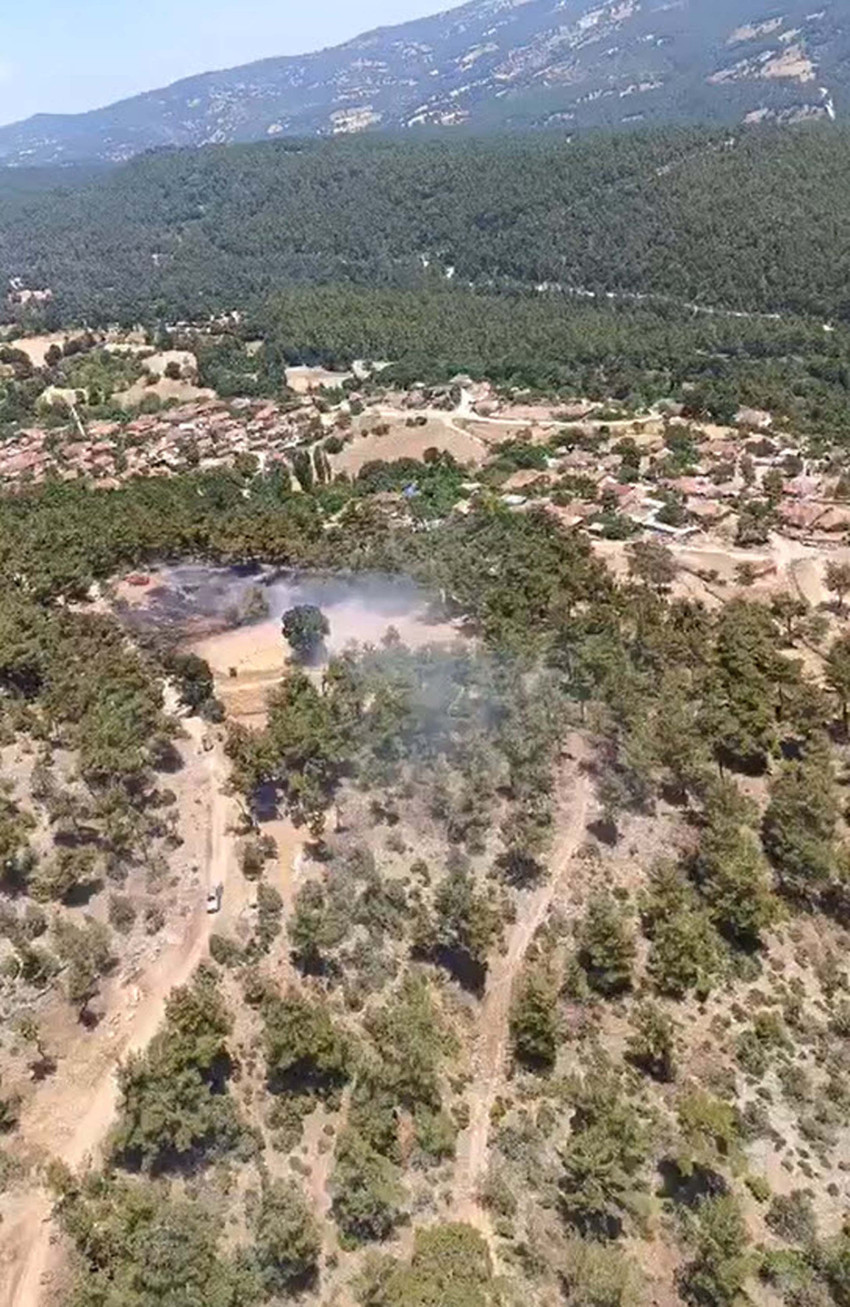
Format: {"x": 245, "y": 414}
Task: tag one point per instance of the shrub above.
{"x": 651, "y": 1046}
{"x": 792, "y": 1217}
{"x": 716, "y": 1275}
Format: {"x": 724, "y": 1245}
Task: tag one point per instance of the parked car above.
{"x": 214, "y": 899}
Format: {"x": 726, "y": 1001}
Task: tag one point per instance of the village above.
{"x": 591, "y": 464}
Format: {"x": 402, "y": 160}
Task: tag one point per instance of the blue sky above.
{"x": 64, "y": 56}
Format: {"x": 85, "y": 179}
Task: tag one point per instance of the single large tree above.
{"x": 838, "y": 672}
{"x": 838, "y": 581}
{"x": 799, "y": 824}
{"x": 305, "y": 627}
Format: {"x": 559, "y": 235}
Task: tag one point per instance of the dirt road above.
{"x": 491, "y": 1053}
{"x": 71, "y": 1114}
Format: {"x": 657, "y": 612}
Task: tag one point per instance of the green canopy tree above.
{"x": 741, "y": 694}
{"x": 305, "y": 1051}
{"x": 606, "y": 946}
{"x": 732, "y": 872}
{"x": 799, "y": 824}
{"x": 305, "y": 627}
{"x": 838, "y": 581}
{"x": 137, "y": 1245}
{"x": 716, "y": 1275}
{"x": 837, "y": 672}
{"x": 287, "y": 1242}
{"x": 534, "y": 1019}
{"x": 450, "y": 1265}
{"x": 367, "y": 1194}
{"x": 604, "y": 1159}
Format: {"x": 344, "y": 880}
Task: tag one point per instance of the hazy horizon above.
{"x": 58, "y": 58}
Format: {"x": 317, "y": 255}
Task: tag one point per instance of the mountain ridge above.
{"x": 516, "y": 64}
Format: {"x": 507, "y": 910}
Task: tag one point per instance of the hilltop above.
{"x": 564, "y": 64}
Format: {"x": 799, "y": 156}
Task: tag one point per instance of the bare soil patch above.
{"x": 303, "y": 380}
{"x": 402, "y": 441}
{"x": 181, "y": 391}
{"x": 36, "y": 347}
{"x": 249, "y": 661}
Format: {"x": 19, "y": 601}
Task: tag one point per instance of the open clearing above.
{"x": 249, "y": 661}
{"x": 403, "y": 441}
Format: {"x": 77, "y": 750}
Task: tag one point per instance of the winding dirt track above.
{"x": 72, "y": 1130}
{"x": 491, "y": 1052}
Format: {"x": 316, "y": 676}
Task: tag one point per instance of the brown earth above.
{"x": 493, "y": 1022}
{"x": 402, "y": 441}
{"x": 69, "y": 1116}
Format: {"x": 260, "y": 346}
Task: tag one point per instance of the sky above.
{"x": 65, "y": 56}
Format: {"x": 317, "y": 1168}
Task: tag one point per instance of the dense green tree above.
{"x": 311, "y": 933}
{"x": 799, "y": 824}
{"x": 411, "y": 1038}
{"x": 136, "y": 1245}
{"x": 732, "y": 872}
{"x": 174, "y": 1106}
{"x": 684, "y": 949}
{"x": 838, "y": 580}
{"x": 600, "y": 1275}
{"x": 789, "y": 610}
{"x": 305, "y": 1051}
{"x": 450, "y": 1265}
{"x": 463, "y": 928}
{"x": 305, "y": 628}
{"x": 16, "y": 857}
{"x": 194, "y": 679}
{"x": 652, "y": 563}
{"x": 9, "y": 1108}
{"x": 709, "y": 1132}
{"x": 715, "y": 1277}
{"x": 534, "y": 1019}
{"x": 65, "y": 870}
{"x": 604, "y": 1158}
{"x": 286, "y": 1239}
{"x": 606, "y": 946}
{"x": 652, "y": 1044}
{"x": 742, "y": 690}
{"x": 86, "y": 950}
{"x": 838, "y": 672}
{"x": 367, "y": 1194}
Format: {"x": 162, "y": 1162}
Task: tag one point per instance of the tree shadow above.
{"x": 753, "y": 765}
{"x": 41, "y": 1068}
{"x": 470, "y": 974}
{"x": 168, "y": 758}
{"x": 265, "y": 802}
{"x": 689, "y": 1190}
{"x": 77, "y": 837}
{"x": 605, "y": 830}
{"x": 520, "y": 870}
{"x": 79, "y": 896}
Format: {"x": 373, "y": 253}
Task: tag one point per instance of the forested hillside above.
{"x": 758, "y": 223}
{"x": 489, "y": 64}
{"x": 615, "y": 822}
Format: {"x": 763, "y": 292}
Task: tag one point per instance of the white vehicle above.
{"x": 214, "y": 899}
